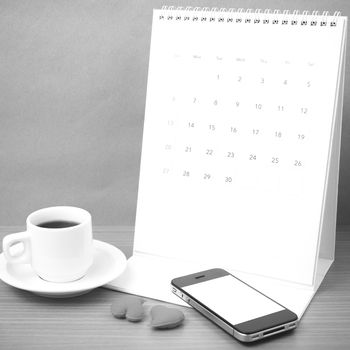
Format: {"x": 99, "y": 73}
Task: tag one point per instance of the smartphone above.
{"x": 236, "y": 307}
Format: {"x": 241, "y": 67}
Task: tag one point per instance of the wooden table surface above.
{"x": 29, "y": 322}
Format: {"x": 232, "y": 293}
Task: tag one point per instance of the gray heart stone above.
{"x": 128, "y": 307}
{"x": 164, "y": 317}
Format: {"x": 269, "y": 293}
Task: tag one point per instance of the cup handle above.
{"x": 22, "y": 257}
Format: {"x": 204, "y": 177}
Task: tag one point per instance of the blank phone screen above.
{"x": 232, "y": 299}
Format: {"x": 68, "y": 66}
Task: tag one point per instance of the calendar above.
{"x": 241, "y": 143}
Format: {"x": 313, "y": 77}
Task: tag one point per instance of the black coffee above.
{"x": 58, "y": 224}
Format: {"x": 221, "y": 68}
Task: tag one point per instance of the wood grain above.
{"x": 30, "y": 322}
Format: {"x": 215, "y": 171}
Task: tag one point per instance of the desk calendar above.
{"x": 240, "y": 150}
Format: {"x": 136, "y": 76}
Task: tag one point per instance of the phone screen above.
{"x": 232, "y": 299}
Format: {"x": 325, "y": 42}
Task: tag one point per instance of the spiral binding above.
{"x": 240, "y": 15}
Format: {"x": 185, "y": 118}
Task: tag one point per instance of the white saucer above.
{"x": 109, "y": 263}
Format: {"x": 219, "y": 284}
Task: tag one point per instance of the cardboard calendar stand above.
{"x": 149, "y": 274}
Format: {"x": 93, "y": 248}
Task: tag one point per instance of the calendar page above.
{"x": 237, "y": 133}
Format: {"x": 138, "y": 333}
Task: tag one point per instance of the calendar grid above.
{"x": 236, "y": 139}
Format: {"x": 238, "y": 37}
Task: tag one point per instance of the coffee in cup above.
{"x": 58, "y": 243}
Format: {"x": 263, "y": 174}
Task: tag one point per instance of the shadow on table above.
{"x": 98, "y": 294}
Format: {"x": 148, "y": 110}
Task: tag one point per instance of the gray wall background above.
{"x": 73, "y": 80}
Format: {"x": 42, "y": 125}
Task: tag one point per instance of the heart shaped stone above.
{"x": 165, "y": 317}
{"x": 128, "y": 307}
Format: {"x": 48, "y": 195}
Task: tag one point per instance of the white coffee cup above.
{"x": 56, "y": 254}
